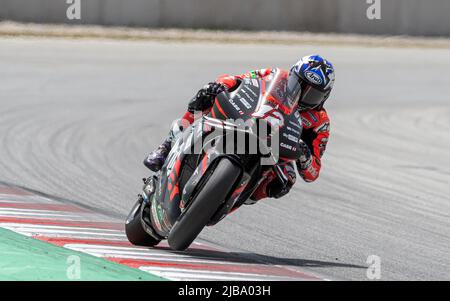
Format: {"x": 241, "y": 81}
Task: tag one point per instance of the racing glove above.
{"x": 204, "y": 98}
{"x": 276, "y": 189}
{"x": 306, "y": 158}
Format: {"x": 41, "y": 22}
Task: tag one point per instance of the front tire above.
{"x": 134, "y": 230}
{"x": 203, "y": 207}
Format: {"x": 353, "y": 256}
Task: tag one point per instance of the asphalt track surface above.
{"x": 77, "y": 118}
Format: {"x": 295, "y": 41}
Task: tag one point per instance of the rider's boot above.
{"x": 155, "y": 160}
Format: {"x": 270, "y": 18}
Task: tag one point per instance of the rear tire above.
{"x": 206, "y": 203}
{"x": 134, "y": 230}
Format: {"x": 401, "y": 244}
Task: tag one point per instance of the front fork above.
{"x": 145, "y": 200}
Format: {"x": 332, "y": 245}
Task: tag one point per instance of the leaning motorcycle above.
{"x": 217, "y": 163}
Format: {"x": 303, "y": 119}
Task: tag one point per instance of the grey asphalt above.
{"x": 77, "y": 118}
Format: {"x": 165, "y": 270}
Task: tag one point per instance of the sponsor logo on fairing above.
{"x": 245, "y": 103}
{"x": 237, "y": 108}
{"x": 247, "y": 89}
{"x": 290, "y": 137}
{"x": 295, "y": 125}
{"x": 286, "y": 146}
{"x": 292, "y": 130}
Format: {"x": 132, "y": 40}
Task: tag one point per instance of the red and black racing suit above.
{"x": 316, "y": 130}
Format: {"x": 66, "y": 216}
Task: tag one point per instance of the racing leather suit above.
{"x": 316, "y": 130}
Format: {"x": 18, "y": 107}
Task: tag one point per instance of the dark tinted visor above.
{"x": 311, "y": 97}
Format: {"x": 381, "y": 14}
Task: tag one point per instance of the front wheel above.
{"x": 134, "y": 230}
{"x": 205, "y": 204}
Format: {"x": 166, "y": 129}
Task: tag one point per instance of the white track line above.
{"x": 153, "y": 255}
{"x": 3, "y": 200}
{"x": 25, "y": 199}
{"x": 131, "y": 250}
{"x": 59, "y": 233}
{"x": 77, "y": 236}
{"x": 25, "y": 210}
{"x": 108, "y": 247}
{"x": 56, "y": 218}
{"x": 149, "y": 254}
{"x": 187, "y": 274}
{"x": 107, "y": 250}
{"x": 146, "y": 252}
{"x": 35, "y": 210}
{"x": 38, "y": 215}
{"x": 64, "y": 228}
{"x": 31, "y": 230}
{"x": 125, "y": 252}
{"x": 149, "y": 258}
{"x": 158, "y": 257}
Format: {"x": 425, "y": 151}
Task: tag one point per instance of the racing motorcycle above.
{"x": 212, "y": 168}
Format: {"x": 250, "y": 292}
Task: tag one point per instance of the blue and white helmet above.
{"x": 310, "y": 82}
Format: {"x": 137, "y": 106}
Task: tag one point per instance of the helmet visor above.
{"x": 311, "y": 97}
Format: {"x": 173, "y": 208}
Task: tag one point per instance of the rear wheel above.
{"x": 134, "y": 230}
{"x": 205, "y": 204}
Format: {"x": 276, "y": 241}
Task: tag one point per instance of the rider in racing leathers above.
{"x": 310, "y": 82}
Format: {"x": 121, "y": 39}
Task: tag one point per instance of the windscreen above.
{"x": 279, "y": 92}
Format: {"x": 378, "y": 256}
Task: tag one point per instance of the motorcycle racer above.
{"x": 309, "y": 84}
